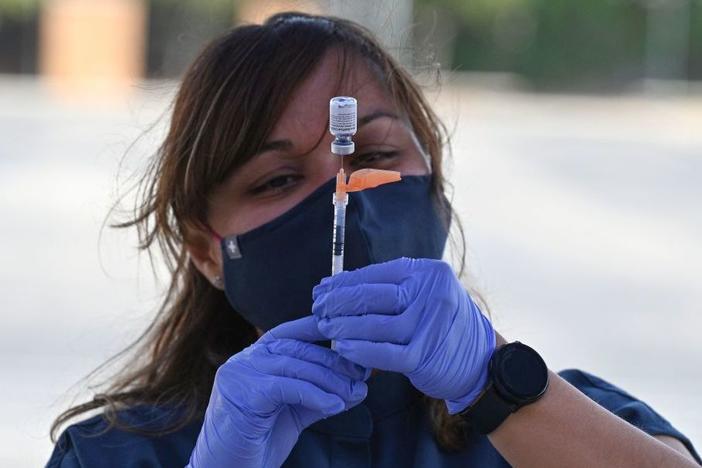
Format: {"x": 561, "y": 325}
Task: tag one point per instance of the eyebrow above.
{"x": 375, "y": 115}
{"x": 287, "y": 145}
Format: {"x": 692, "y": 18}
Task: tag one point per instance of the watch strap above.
{"x": 488, "y": 411}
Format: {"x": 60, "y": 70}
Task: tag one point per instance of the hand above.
{"x": 410, "y": 316}
{"x": 264, "y": 396}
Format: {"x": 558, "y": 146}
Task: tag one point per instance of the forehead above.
{"x": 307, "y": 112}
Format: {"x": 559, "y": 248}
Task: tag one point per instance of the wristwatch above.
{"x": 517, "y": 376}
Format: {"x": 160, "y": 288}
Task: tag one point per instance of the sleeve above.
{"x": 624, "y": 405}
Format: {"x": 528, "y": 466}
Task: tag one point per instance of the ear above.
{"x": 205, "y": 253}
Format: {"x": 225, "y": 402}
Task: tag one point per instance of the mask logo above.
{"x": 233, "y": 251}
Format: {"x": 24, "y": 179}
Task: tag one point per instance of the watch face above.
{"x": 520, "y": 374}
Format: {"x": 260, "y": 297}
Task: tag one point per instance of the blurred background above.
{"x": 577, "y": 171}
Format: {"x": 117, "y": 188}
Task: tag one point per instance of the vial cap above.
{"x": 343, "y": 148}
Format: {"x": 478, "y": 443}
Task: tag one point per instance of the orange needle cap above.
{"x": 369, "y": 178}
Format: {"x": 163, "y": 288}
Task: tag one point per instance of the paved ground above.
{"x": 582, "y": 216}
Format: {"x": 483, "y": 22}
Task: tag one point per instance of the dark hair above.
{"x": 227, "y": 104}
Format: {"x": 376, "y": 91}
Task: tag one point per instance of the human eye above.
{"x": 374, "y": 158}
{"x": 276, "y": 185}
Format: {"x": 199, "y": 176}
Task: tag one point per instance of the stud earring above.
{"x": 217, "y": 280}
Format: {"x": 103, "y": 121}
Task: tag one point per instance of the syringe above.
{"x": 342, "y": 124}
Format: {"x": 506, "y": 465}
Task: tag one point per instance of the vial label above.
{"x": 343, "y": 123}
{"x": 342, "y": 115}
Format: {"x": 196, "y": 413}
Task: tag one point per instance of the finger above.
{"x": 331, "y": 382}
{"x": 290, "y": 391}
{"x": 392, "y": 272}
{"x": 318, "y": 355}
{"x": 384, "y": 356}
{"x": 397, "y": 329}
{"x": 363, "y": 299}
{"x": 303, "y": 329}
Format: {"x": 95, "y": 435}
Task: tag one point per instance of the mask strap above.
{"x": 213, "y": 232}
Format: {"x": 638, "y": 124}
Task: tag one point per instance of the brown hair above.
{"x": 226, "y": 106}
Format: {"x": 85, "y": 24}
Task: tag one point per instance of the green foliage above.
{"x": 18, "y": 9}
{"x": 695, "y": 56}
{"x": 205, "y": 7}
{"x": 566, "y": 44}
{"x": 23, "y": 8}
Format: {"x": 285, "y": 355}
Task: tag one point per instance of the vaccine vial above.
{"x": 342, "y": 124}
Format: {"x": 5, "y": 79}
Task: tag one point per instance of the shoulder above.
{"x": 624, "y": 405}
{"x": 93, "y": 442}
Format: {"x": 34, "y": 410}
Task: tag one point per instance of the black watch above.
{"x": 517, "y": 376}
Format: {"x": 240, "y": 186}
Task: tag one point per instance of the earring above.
{"x": 217, "y": 280}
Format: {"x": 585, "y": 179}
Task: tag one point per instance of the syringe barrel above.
{"x": 339, "y": 232}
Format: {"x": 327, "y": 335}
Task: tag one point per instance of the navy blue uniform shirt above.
{"x": 389, "y": 429}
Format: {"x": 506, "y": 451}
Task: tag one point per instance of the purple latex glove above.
{"x": 264, "y": 396}
{"x": 410, "y": 316}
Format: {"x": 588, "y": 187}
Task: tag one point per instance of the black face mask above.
{"x": 269, "y": 272}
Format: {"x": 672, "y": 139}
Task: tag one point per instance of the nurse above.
{"x": 236, "y": 369}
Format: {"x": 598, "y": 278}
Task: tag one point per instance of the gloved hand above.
{"x": 410, "y": 316}
{"x": 264, "y": 396}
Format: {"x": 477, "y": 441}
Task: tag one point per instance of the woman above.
{"x": 236, "y": 370}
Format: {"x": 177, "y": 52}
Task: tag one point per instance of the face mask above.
{"x": 269, "y": 272}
